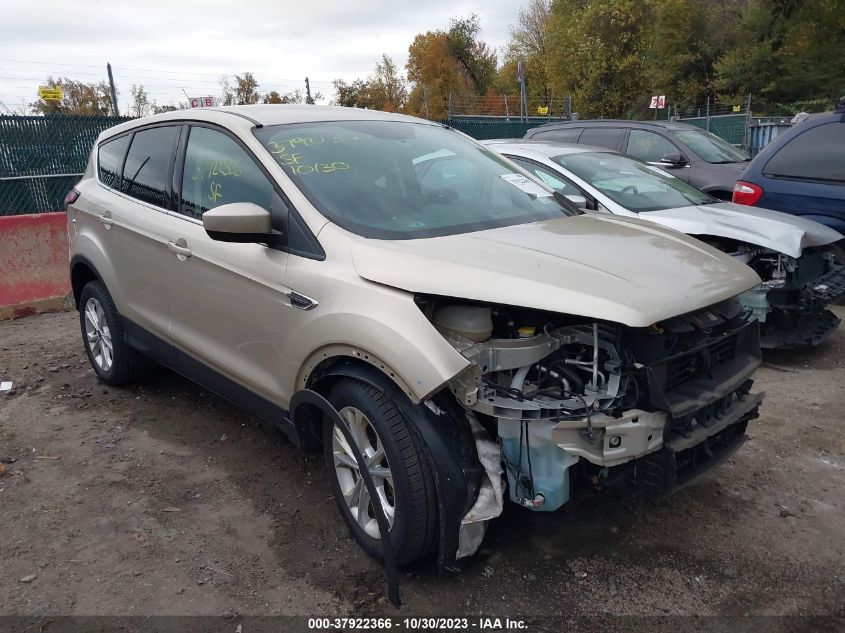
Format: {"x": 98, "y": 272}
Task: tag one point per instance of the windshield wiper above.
{"x": 566, "y": 203}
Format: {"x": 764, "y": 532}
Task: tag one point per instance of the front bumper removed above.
{"x": 684, "y": 458}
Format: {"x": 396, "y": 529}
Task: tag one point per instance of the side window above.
{"x": 553, "y": 180}
{"x": 148, "y": 165}
{"x": 110, "y": 160}
{"x": 648, "y": 146}
{"x": 218, "y": 171}
{"x": 563, "y": 135}
{"x": 817, "y": 154}
{"x": 602, "y": 137}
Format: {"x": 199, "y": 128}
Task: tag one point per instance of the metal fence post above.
{"x": 707, "y": 115}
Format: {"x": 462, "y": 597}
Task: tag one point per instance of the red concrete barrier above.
{"x": 34, "y": 273}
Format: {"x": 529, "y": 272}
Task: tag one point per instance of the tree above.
{"x": 528, "y": 42}
{"x": 273, "y": 96}
{"x": 388, "y": 88}
{"x": 385, "y": 89}
{"x": 475, "y": 57}
{"x": 596, "y": 52}
{"x": 77, "y": 98}
{"x": 228, "y": 96}
{"x": 246, "y": 89}
{"x": 785, "y": 51}
{"x": 444, "y": 63}
{"x": 355, "y": 94}
{"x": 141, "y": 105}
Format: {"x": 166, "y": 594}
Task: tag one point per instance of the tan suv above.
{"x": 389, "y": 291}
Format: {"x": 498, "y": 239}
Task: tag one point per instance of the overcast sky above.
{"x": 173, "y": 45}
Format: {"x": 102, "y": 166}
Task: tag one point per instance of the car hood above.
{"x": 603, "y": 267}
{"x": 777, "y": 231}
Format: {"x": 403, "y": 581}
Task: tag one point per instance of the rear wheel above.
{"x": 113, "y": 360}
{"x": 402, "y": 478}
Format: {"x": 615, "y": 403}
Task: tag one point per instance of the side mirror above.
{"x": 239, "y": 222}
{"x": 674, "y": 159}
{"x": 578, "y": 201}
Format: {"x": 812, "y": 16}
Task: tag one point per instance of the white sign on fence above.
{"x": 658, "y": 102}
{"x": 201, "y": 102}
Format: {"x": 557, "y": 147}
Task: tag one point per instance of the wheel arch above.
{"x": 443, "y": 431}
{"x": 82, "y": 271}
{"x": 324, "y": 368}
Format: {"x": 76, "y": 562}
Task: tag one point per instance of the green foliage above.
{"x": 612, "y": 55}
{"x": 596, "y": 52}
{"x": 787, "y": 50}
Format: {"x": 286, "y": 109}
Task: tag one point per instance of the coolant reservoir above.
{"x": 472, "y": 322}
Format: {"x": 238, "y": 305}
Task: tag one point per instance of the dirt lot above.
{"x": 164, "y": 499}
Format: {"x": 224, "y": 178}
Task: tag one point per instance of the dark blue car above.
{"x": 801, "y": 172}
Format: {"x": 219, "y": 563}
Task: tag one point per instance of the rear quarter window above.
{"x": 110, "y": 160}
{"x": 817, "y": 154}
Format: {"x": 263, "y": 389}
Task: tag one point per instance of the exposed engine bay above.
{"x": 791, "y": 303}
{"x": 576, "y": 403}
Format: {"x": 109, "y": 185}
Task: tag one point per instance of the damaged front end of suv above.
{"x": 579, "y": 403}
{"x": 792, "y": 302}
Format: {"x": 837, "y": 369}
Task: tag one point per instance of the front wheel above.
{"x": 400, "y": 472}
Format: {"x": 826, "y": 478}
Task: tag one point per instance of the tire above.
{"x": 412, "y": 495}
{"x": 113, "y": 360}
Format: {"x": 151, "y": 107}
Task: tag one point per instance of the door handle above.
{"x": 180, "y": 248}
{"x": 107, "y": 220}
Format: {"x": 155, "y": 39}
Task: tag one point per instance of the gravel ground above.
{"x": 164, "y": 499}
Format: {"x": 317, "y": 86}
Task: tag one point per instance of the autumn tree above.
{"x": 246, "y": 89}
{"x": 77, "y": 98}
{"x": 448, "y": 62}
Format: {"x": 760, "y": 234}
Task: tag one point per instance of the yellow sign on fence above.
{"x": 542, "y": 110}
{"x": 50, "y": 94}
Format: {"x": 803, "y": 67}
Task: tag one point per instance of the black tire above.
{"x": 127, "y": 365}
{"x": 414, "y": 529}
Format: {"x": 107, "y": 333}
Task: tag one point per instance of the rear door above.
{"x": 601, "y": 136}
{"x": 125, "y": 213}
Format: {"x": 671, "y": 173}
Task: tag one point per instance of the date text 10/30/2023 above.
{"x": 482, "y": 624}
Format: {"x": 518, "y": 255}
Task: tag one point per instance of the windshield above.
{"x": 401, "y": 180}
{"x": 631, "y": 183}
{"x": 710, "y": 147}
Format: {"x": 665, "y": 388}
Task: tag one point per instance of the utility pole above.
{"x": 308, "y": 98}
{"x": 113, "y": 91}
{"x": 523, "y": 99}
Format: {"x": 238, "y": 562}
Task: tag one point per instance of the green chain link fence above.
{"x": 42, "y": 157}
{"x": 487, "y": 128}
{"x": 732, "y": 128}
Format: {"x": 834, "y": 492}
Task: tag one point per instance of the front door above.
{"x": 228, "y": 301}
